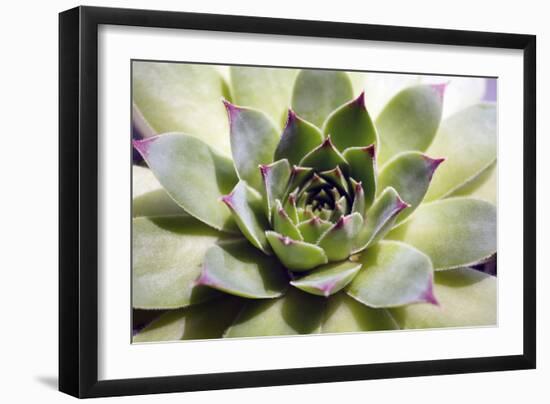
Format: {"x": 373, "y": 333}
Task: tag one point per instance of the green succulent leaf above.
{"x": 453, "y": 232}
{"x": 167, "y": 256}
{"x": 338, "y": 241}
{"x": 393, "y": 274}
{"x": 294, "y": 313}
{"x": 337, "y": 178}
{"x": 313, "y": 229}
{"x": 351, "y": 125}
{"x": 468, "y": 140}
{"x": 362, "y": 163}
{"x": 410, "y": 120}
{"x": 319, "y": 92}
{"x": 328, "y": 279}
{"x": 246, "y": 205}
{"x": 380, "y": 219}
{"x": 410, "y": 174}
{"x": 275, "y": 179}
{"x": 290, "y": 207}
{"x": 296, "y": 255}
{"x": 236, "y": 268}
{"x": 344, "y": 314}
{"x": 254, "y": 138}
{"x": 263, "y": 88}
{"x": 298, "y": 177}
{"x": 359, "y": 204}
{"x": 482, "y": 186}
{"x": 207, "y": 320}
{"x": 177, "y": 97}
{"x": 466, "y": 298}
{"x": 299, "y": 138}
{"x": 283, "y": 224}
{"x": 324, "y": 157}
{"x": 148, "y": 196}
{"x": 193, "y": 174}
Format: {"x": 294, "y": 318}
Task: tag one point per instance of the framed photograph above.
{"x": 251, "y": 201}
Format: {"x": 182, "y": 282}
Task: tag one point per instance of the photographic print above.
{"x": 271, "y": 201}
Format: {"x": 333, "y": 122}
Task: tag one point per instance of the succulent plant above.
{"x": 324, "y": 220}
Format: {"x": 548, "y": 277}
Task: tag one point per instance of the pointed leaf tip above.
{"x": 429, "y": 295}
{"x": 291, "y": 118}
{"x": 231, "y": 109}
{"x": 433, "y": 164}
{"x": 440, "y": 88}
{"x": 360, "y": 100}
{"x": 142, "y": 145}
{"x": 371, "y": 150}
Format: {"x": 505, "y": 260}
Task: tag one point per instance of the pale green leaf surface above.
{"x": 299, "y": 137}
{"x": 167, "y": 257}
{"x": 483, "y": 186}
{"x": 275, "y": 178}
{"x": 453, "y": 232}
{"x": 296, "y": 255}
{"x": 207, "y": 320}
{"x": 362, "y": 163}
{"x": 324, "y": 157}
{"x": 319, "y": 92}
{"x": 468, "y": 141}
{"x": 350, "y": 125}
{"x": 148, "y": 196}
{"x": 344, "y": 314}
{"x": 193, "y": 174}
{"x": 237, "y": 268}
{"x": 254, "y": 138}
{"x": 328, "y": 279}
{"x": 466, "y": 298}
{"x": 267, "y": 89}
{"x": 312, "y": 229}
{"x": 379, "y": 219}
{"x": 409, "y": 121}
{"x": 247, "y": 208}
{"x": 393, "y": 274}
{"x": 410, "y": 174}
{"x": 294, "y": 313}
{"x": 338, "y": 241}
{"x": 178, "y": 97}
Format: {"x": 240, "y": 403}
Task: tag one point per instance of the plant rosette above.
{"x": 323, "y": 219}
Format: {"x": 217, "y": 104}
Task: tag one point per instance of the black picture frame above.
{"x": 78, "y": 200}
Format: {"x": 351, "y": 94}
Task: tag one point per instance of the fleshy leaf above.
{"x": 283, "y": 224}
{"x": 275, "y": 179}
{"x": 409, "y": 173}
{"x": 337, "y": 178}
{"x": 351, "y": 125}
{"x": 299, "y": 176}
{"x": 338, "y": 240}
{"x": 313, "y": 229}
{"x": 148, "y": 196}
{"x": 178, "y": 97}
{"x": 263, "y": 88}
{"x": 168, "y": 252}
{"x": 358, "y": 204}
{"x": 319, "y": 92}
{"x": 483, "y": 186}
{"x": 468, "y": 140}
{"x": 290, "y": 207}
{"x": 362, "y": 162}
{"x": 254, "y": 138}
{"x": 298, "y": 139}
{"x": 247, "y": 208}
{"x": 296, "y": 255}
{"x": 410, "y": 120}
{"x": 294, "y": 313}
{"x": 324, "y": 157}
{"x": 207, "y": 320}
{"x": 328, "y": 279}
{"x": 344, "y": 314}
{"x": 236, "y": 268}
{"x": 380, "y": 219}
{"x": 453, "y": 232}
{"x": 193, "y": 174}
{"x": 466, "y": 298}
{"x": 393, "y": 274}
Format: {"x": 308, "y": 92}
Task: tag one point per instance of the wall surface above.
{"x": 28, "y": 286}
